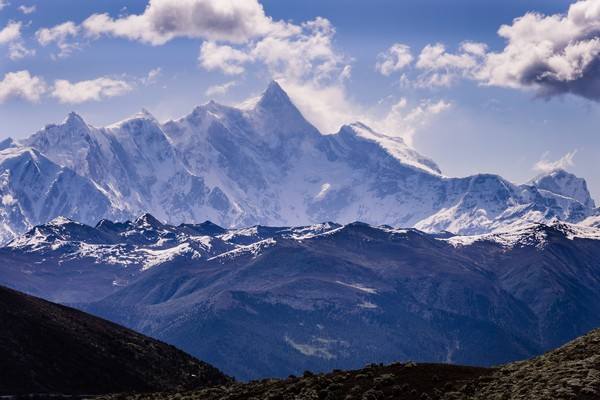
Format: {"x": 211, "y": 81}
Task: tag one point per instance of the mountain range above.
{"x": 271, "y": 301}
{"x": 263, "y": 163}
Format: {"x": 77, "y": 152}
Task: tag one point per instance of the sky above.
{"x": 507, "y": 87}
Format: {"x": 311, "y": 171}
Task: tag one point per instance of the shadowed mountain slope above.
{"x": 49, "y": 348}
{"x": 570, "y": 372}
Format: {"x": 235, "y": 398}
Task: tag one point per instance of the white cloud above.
{"x": 3, "y": 4}
{"x": 11, "y": 35}
{"x": 549, "y": 54}
{"x": 545, "y": 165}
{"x": 22, "y": 85}
{"x": 27, "y": 9}
{"x": 475, "y": 48}
{"x": 235, "y": 21}
{"x": 151, "y": 77}
{"x": 17, "y": 50}
{"x": 394, "y": 59}
{"x": 223, "y": 57}
{"x": 435, "y": 57}
{"x": 434, "y": 66}
{"x": 306, "y": 55}
{"x": 62, "y": 35}
{"x": 219, "y": 90}
{"x": 329, "y": 107}
{"x": 346, "y": 73}
{"x": 405, "y": 122}
{"x": 552, "y": 55}
{"x": 89, "y": 90}
{"x": 11, "y": 32}
{"x": 441, "y": 68}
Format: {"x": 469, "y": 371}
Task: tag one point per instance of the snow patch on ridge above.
{"x": 527, "y": 234}
{"x": 358, "y": 286}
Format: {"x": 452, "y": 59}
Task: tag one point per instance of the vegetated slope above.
{"x": 571, "y": 372}
{"x": 49, "y": 348}
{"x": 397, "y": 381}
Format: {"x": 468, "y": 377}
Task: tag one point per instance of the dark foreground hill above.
{"x": 571, "y": 372}
{"x": 376, "y": 382}
{"x": 48, "y": 348}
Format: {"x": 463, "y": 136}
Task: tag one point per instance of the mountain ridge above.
{"x": 266, "y": 164}
{"x": 306, "y": 291}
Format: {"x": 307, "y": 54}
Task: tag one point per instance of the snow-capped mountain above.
{"x": 34, "y": 189}
{"x": 270, "y": 301}
{"x": 265, "y": 163}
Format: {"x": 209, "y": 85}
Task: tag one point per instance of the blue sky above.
{"x": 471, "y": 110}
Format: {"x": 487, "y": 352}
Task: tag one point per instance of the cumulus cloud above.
{"x": 434, "y": 65}
{"x": 3, "y": 4}
{"x": 22, "y": 85}
{"x": 235, "y": 33}
{"x": 89, "y": 90}
{"x": 394, "y": 59}
{"x": 223, "y": 57}
{"x": 62, "y": 34}
{"x": 308, "y": 54}
{"x": 27, "y": 9}
{"x": 545, "y": 165}
{"x": 442, "y": 68}
{"x": 219, "y": 90}
{"x": 548, "y": 54}
{"x": 11, "y": 32}
{"x": 553, "y": 54}
{"x": 234, "y": 21}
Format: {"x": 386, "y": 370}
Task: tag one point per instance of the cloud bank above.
{"x": 550, "y": 55}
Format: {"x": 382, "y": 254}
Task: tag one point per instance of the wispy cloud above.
{"x": 547, "y": 165}
{"x": 63, "y": 35}
{"x": 11, "y": 35}
{"x": 27, "y": 9}
{"x": 220, "y": 90}
{"x": 394, "y": 59}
